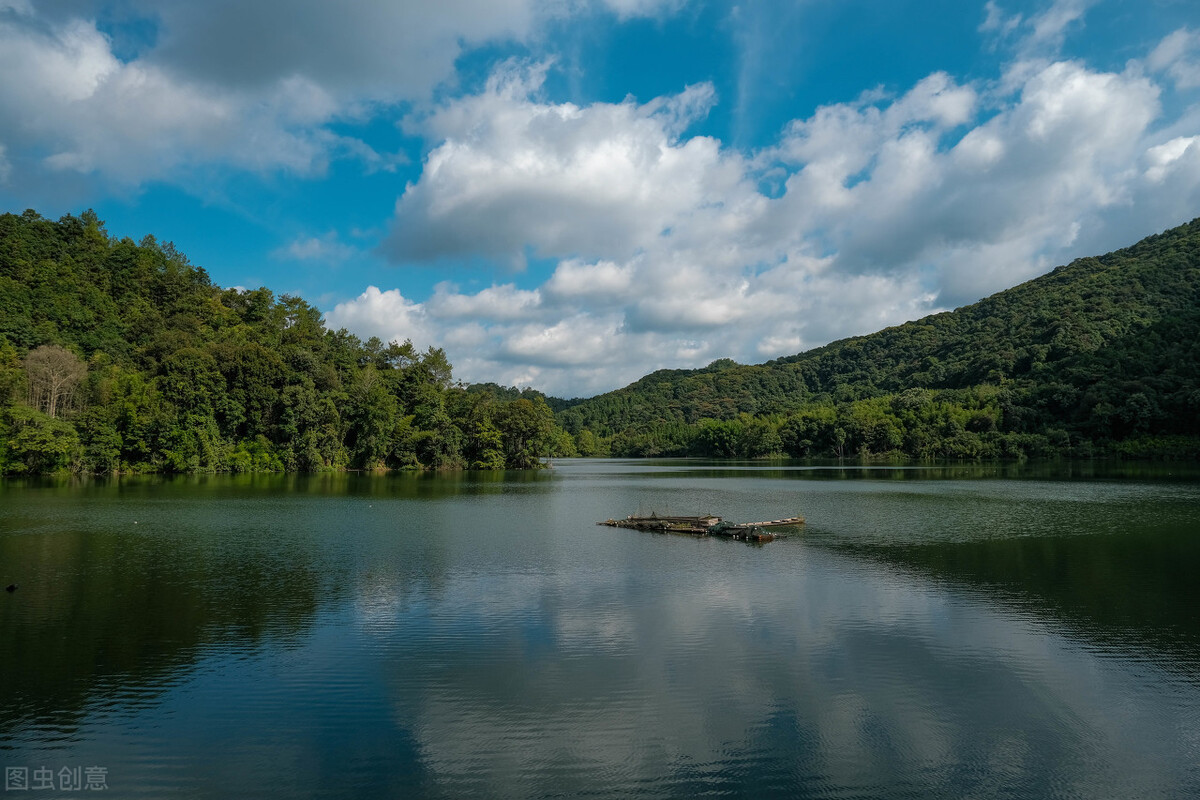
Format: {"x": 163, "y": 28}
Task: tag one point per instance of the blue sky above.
{"x": 568, "y": 194}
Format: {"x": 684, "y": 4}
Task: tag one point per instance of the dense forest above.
{"x": 118, "y": 356}
{"x": 1100, "y": 357}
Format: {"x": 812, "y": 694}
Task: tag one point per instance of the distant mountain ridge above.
{"x": 1101, "y": 351}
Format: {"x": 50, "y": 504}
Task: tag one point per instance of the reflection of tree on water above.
{"x": 399, "y": 484}
{"x": 1136, "y": 589}
{"x": 127, "y": 581}
{"x": 105, "y": 613}
{"x": 851, "y": 469}
{"x": 476, "y": 634}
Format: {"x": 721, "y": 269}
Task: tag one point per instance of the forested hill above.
{"x": 1102, "y": 354}
{"x": 116, "y": 356}
{"x": 123, "y": 356}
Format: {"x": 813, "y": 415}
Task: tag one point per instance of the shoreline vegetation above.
{"x": 1098, "y": 358}
{"x": 119, "y": 357}
{"x": 123, "y": 357}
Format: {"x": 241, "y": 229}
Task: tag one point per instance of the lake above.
{"x": 954, "y": 631}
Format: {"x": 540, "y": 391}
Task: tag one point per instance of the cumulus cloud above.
{"x": 511, "y": 172}
{"x": 386, "y": 314}
{"x": 581, "y": 340}
{"x": 666, "y": 250}
{"x": 670, "y": 255}
{"x": 499, "y": 303}
{"x": 597, "y": 282}
{"x": 69, "y": 99}
{"x": 889, "y": 189}
{"x": 1167, "y": 159}
{"x": 230, "y": 84}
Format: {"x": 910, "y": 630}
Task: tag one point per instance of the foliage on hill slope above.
{"x": 1100, "y": 355}
{"x": 116, "y": 356}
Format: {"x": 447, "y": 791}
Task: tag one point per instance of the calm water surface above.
{"x": 933, "y": 632}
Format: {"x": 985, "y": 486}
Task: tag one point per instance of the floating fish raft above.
{"x": 707, "y": 526}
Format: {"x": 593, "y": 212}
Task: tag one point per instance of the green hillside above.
{"x": 1102, "y": 355}
{"x": 124, "y": 357}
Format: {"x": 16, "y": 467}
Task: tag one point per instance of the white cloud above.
{"x": 1037, "y": 35}
{"x": 499, "y": 303}
{"x": 67, "y": 96}
{"x": 996, "y": 21}
{"x": 1178, "y": 55}
{"x": 228, "y": 83}
{"x": 668, "y": 253}
{"x": 887, "y": 196}
{"x": 574, "y": 341}
{"x": 670, "y": 256}
{"x": 386, "y": 314}
{"x": 327, "y": 248}
{"x": 626, "y": 9}
{"x": 1166, "y": 158}
{"x": 1050, "y": 26}
{"x": 604, "y": 279}
{"x": 605, "y": 179}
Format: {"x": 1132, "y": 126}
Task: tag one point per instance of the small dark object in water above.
{"x": 707, "y": 525}
{"x": 12, "y": 587}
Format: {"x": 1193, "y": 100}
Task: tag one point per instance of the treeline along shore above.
{"x": 1097, "y": 358}
{"x": 118, "y": 356}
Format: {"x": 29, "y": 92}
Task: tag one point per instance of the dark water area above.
{"x": 962, "y": 631}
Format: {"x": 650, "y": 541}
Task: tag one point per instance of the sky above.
{"x": 570, "y": 194}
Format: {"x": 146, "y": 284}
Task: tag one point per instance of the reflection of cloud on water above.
{"x": 604, "y": 630}
{"x": 377, "y": 604}
{"x": 843, "y": 674}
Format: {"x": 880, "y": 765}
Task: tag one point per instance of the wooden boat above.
{"x": 706, "y": 525}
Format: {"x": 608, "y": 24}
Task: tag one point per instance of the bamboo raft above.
{"x": 707, "y": 525}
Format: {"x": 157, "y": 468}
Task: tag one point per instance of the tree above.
{"x": 587, "y": 444}
{"x": 485, "y": 445}
{"x": 527, "y": 427}
{"x": 759, "y": 438}
{"x": 54, "y": 373}
{"x": 371, "y": 415}
{"x": 38, "y": 443}
{"x": 718, "y": 438}
{"x": 437, "y": 366}
{"x": 12, "y": 379}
